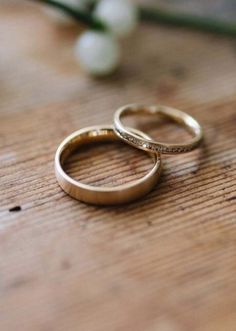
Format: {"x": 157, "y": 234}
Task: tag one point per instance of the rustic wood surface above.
{"x": 165, "y": 263}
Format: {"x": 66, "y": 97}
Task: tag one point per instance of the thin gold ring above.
{"x": 102, "y": 195}
{"x": 153, "y": 146}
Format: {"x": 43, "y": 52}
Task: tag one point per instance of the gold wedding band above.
{"x": 153, "y": 146}
{"x": 102, "y": 195}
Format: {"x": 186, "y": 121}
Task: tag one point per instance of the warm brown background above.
{"x": 165, "y": 263}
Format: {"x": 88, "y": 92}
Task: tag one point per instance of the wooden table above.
{"x": 164, "y": 263}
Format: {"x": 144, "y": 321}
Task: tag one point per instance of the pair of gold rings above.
{"x": 134, "y": 190}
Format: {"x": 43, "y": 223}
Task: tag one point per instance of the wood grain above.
{"x": 164, "y": 263}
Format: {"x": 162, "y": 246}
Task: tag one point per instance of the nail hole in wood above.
{"x": 16, "y": 208}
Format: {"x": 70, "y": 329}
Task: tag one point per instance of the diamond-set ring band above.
{"x": 152, "y": 146}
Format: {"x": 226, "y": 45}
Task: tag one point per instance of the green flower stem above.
{"x": 82, "y": 16}
{"x": 186, "y": 20}
{"x": 154, "y": 15}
